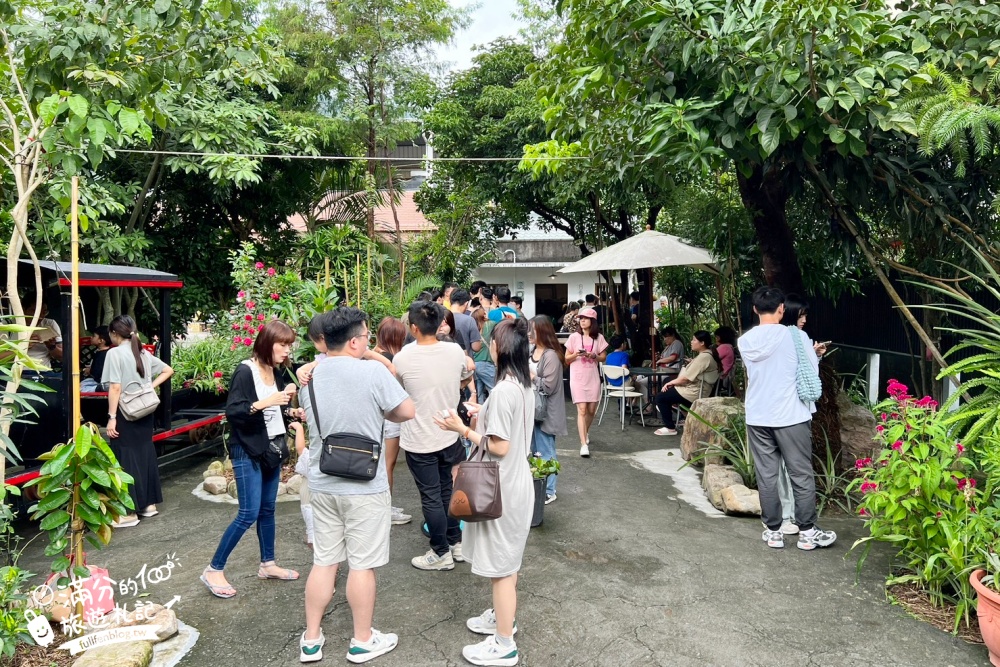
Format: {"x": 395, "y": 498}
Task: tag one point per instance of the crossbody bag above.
{"x": 347, "y": 455}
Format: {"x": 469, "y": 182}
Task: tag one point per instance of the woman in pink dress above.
{"x": 584, "y": 350}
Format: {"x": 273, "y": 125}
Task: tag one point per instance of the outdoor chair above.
{"x": 623, "y": 393}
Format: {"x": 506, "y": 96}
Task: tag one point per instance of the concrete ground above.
{"x": 622, "y": 572}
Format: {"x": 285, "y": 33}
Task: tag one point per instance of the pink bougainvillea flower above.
{"x": 898, "y": 445}
{"x": 248, "y": 317}
{"x": 251, "y": 304}
{"x": 271, "y": 271}
{"x": 248, "y": 341}
{"x": 275, "y": 296}
{"x": 217, "y": 374}
{"x": 959, "y": 447}
{"x": 260, "y": 316}
{"x": 259, "y": 265}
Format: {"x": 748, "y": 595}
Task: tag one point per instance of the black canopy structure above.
{"x": 102, "y": 275}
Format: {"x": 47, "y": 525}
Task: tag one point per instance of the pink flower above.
{"x": 232, "y": 348}
{"x": 248, "y": 341}
{"x": 883, "y": 416}
{"x": 868, "y": 487}
{"x": 938, "y": 515}
{"x": 238, "y": 339}
{"x": 862, "y": 463}
{"x": 275, "y": 296}
{"x": 248, "y": 317}
{"x": 260, "y": 316}
{"x": 959, "y": 447}
{"x": 217, "y": 374}
{"x": 241, "y": 294}
{"x": 271, "y": 271}
{"x": 236, "y": 326}
{"x": 898, "y": 390}
{"x": 926, "y": 402}
{"x": 898, "y": 445}
{"x": 863, "y": 512}
{"x": 259, "y": 265}
{"x": 972, "y": 508}
{"x": 879, "y": 428}
{"x": 251, "y": 304}
{"x": 966, "y": 483}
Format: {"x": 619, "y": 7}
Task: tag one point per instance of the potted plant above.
{"x": 988, "y": 606}
{"x": 540, "y": 471}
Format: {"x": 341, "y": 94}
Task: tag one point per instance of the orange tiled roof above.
{"x": 411, "y": 220}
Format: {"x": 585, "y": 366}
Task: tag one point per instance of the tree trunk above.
{"x": 765, "y": 195}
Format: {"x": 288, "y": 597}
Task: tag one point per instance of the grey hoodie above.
{"x": 768, "y": 352}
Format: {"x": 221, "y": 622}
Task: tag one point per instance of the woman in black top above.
{"x": 256, "y": 412}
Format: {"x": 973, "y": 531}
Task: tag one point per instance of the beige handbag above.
{"x": 139, "y": 399}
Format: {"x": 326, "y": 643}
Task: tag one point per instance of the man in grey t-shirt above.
{"x": 464, "y": 323}
{"x": 352, "y": 518}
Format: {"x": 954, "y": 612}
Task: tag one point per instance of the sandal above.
{"x": 290, "y": 575}
{"x": 224, "y": 591}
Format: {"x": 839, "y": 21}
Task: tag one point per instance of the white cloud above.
{"x": 491, "y": 20}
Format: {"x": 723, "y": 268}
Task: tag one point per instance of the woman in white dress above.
{"x": 495, "y": 548}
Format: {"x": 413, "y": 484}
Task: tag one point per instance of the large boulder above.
{"x": 717, "y": 412}
{"x": 738, "y": 499}
{"x": 857, "y": 431}
{"x": 215, "y": 485}
{"x": 125, "y": 654}
{"x": 716, "y": 479}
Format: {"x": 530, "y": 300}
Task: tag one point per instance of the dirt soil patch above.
{"x": 39, "y": 656}
{"x": 916, "y": 601}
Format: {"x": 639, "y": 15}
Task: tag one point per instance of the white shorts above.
{"x": 351, "y": 528}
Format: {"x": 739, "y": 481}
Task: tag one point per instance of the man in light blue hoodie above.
{"x": 779, "y": 424}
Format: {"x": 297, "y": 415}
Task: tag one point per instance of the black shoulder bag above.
{"x": 347, "y": 455}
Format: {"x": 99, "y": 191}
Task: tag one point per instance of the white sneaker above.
{"x": 814, "y": 537}
{"x": 431, "y": 561}
{"x": 311, "y": 650}
{"x": 774, "y": 539}
{"x": 486, "y": 623}
{"x": 489, "y": 652}
{"x": 379, "y": 644}
{"x": 399, "y": 517}
{"x": 665, "y": 431}
{"x": 789, "y": 528}
{"x": 456, "y": 553}
{"x": 551, "y": 498}
{"x": 585, "y": 451}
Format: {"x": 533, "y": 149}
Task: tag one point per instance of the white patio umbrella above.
{"x": 650, "y": 249}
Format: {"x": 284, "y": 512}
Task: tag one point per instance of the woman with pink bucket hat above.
{"x": 584, "y": 350}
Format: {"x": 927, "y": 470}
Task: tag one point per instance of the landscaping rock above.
{"x": 126, "y": 654}
{"x": 227, "y": 465}
{"x": 215, "y": 485}
{"x": 231, "y": 489}
{"x": 217, "y": 466}
{"x": 282, "y": 488}
{"x": 857, "y": 431}
{"x": 211, "y": 473}
{"x": 717, "y": 412}
{"x": 738, "y": 499}
{"x": 716, "y": 479}
{"x": 295, "y": 483}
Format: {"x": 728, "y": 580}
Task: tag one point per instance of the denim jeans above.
{"x": 432, "y": 475}
{"x": 258, "y": 492}
{"x": 486, "y": 378}
{"x": 544, "y": 444}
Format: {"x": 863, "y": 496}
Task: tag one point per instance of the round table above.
{"x": 652, "y": 373}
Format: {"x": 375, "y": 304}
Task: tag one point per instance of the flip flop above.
{"x": 290, "y": 575}
{"x": 218, "y": 591}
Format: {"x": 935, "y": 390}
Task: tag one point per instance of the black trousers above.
{"x": 432, "y": 475}
{"x": 665, "y": 401}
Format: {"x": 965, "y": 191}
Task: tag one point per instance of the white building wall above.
{"x": 523, "y": 280}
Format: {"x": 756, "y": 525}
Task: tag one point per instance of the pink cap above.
{"x": 587, "y": 312}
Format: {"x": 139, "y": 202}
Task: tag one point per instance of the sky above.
{"x": 492, "y": 19}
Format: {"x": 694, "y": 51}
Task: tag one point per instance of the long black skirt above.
{"x": 137, "y": 456}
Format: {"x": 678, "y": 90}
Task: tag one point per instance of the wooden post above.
{"x": 74, "y": 311}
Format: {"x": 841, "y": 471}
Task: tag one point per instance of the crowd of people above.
{"x": 458, "y": 374}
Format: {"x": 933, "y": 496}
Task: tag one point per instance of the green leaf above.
{"x": 57, "y": 498}
{"x": 99, "y": 476}
{"x": 919, "y": 43}
{"x": 129, "y": 121}
{"x": 769, "y": 140}
{"x": 54, "y": 520}
{"x": 48, "y": 108}
{"x": 764, "y": 119}
{"x": 837, "y": 135}
{"x": 791, "y": 112}
{"x": 161, "y": 6}
{"x": 79, "y": 105}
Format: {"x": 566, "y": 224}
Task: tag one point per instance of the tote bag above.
{"x": 139, "y": 399}
{"x": 476, "y": 496}
{"x": 807, "y": 381}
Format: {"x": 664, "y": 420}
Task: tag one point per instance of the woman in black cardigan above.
{"x": 256, "y": 412}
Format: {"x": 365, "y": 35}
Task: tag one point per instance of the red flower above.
{"x": 275, "y": 296}
{"x": 251, "y": 304}
{"x": 241, "y": 294}
{"x": 966, "y": 482}
{"x": 271, "y": 271}
{"x": 217, "y": 374}
{"x": 898, "y": 445}
{"x": 259, "y": 265}
{"x": 237, "y": 339}
{"x": 927, "y": 402}
{"x": 879, "y": 428}
{"x": 862, "y": 463}
{"x": 883, "y": 416}
{"x": 260, "y": 316}
{"x": 248, "y": 317}
{"x": 248, "y": 341}
{"x": 938, "y": 515}
{"x": 898, "y": 390}
{"x": 868, "y": 487}
{"x": 959, "y": 447}
{"x": 863, "y": 512}
{"x": 236, "y": 326}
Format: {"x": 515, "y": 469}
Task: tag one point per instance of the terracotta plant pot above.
{"x": 988, "y": 610}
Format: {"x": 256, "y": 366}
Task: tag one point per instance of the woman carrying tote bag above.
{"x": 126, "y": 368}
{"x": 495, "y": 548}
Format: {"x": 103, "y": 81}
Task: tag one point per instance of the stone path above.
{"x": 624, "y": 571}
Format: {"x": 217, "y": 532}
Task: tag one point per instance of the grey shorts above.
{"x": 351, "y": 528}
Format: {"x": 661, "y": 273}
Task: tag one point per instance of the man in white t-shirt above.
{"x": 779, "y": 424}
{"x": 45, "y": 345}
{"x": 431, "y": 372}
